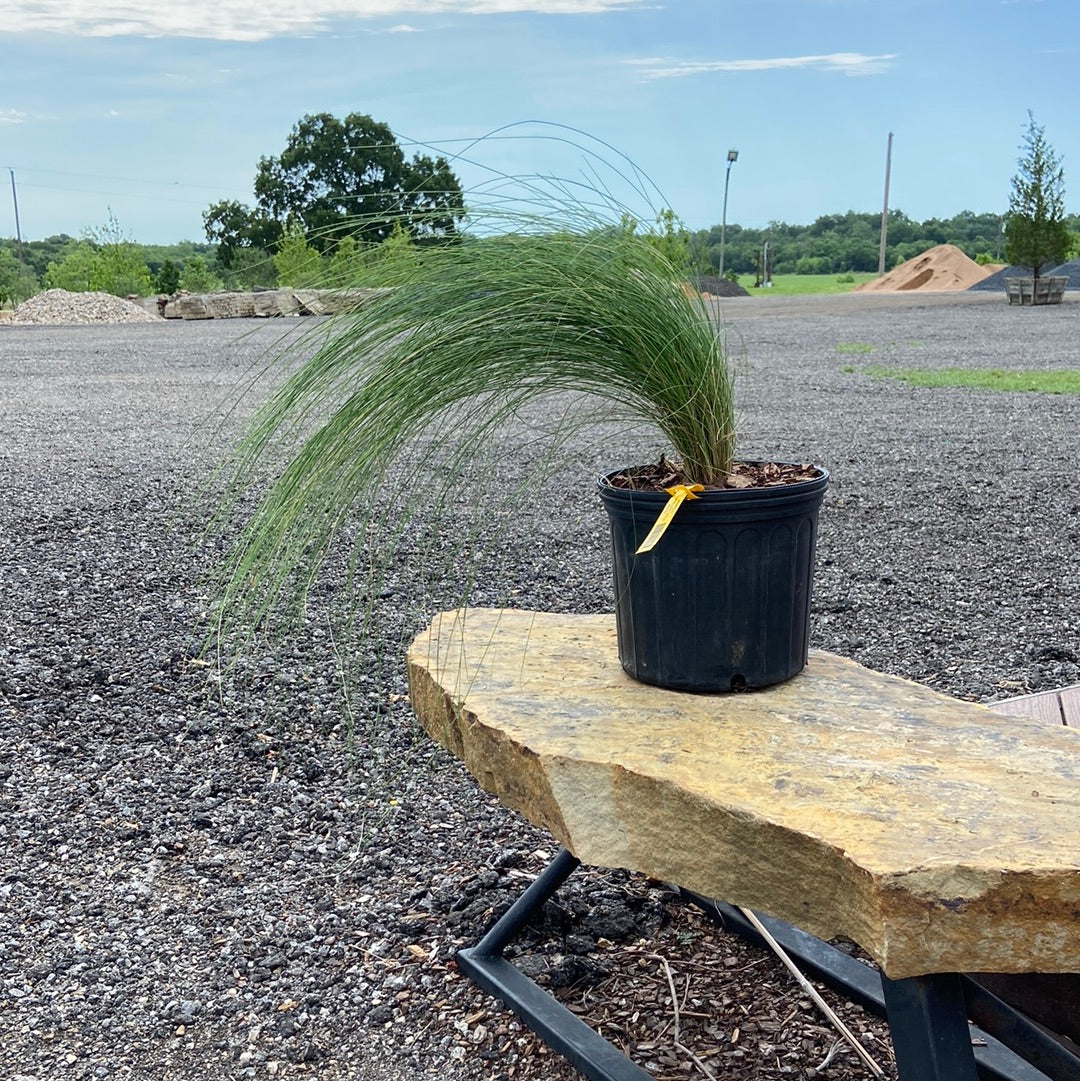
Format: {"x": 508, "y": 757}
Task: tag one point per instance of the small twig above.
{"x": 685, "y": 998}
{"x": 812, "y": 991}
{"x": 677, "y": 1040}
{"x": 830, "y": 1056}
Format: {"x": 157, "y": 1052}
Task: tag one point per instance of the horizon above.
{"x": 154, "y": 115}
{"x": 730, "y": 226}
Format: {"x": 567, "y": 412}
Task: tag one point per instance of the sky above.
{"x": 152, "y": 112}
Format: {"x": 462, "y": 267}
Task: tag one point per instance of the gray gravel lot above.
{"x": 204, "y": 878}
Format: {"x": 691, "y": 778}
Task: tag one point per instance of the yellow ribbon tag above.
{"x": 678, "y": 493}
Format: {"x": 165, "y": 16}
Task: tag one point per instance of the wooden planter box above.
{"x": 1048, "y": 290}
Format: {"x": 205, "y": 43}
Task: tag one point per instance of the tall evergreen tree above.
{"x": 1036, "y": 235}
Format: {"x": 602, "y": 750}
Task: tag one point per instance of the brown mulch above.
{"x": 736, "y": 1013}
{"x": 664, "y": 474}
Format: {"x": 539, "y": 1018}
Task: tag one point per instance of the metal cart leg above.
{"x": 484, "y": 964}
{"x": 929, "y": 1028}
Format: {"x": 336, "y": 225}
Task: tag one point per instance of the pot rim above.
{"x": 771, "y": 491}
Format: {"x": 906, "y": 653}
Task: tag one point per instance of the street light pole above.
{"x": 732, "y": 157}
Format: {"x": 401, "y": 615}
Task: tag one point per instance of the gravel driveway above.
{"x": 206, "y": 877}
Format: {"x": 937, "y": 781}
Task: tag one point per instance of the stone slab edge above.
{"x": 912, "y": 920}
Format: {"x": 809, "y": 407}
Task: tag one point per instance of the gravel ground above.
{"x": 207, "y": 877}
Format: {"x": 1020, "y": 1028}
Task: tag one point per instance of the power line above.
{"x": 119, "y": 179}
{"x": 122, "y": 194}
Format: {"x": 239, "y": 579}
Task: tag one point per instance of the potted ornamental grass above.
{"x": 712, "y": 556}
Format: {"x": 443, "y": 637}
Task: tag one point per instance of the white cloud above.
{"x": 255, "y": 20}
{"x": 11, "y": 116}
{"x": 845, "y": 63}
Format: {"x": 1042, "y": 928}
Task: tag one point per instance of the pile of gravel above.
{"x": 996, "y": 281}
{"x": 234, "y": 874}
{"x": 1070, "y": 270}
{"x": 719, "y": 287}
{"x": 59, "y": 307}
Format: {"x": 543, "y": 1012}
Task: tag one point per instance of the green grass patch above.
{"x": 854, "y": 347}
{"x": 1060, "y": 381}
{"x": 791, "y": 285}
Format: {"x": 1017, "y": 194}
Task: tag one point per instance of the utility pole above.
{"x": 15, "y": 201}
{"x": 885, "y": 211}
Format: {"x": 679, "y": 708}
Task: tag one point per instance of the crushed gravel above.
{"x": 1069, "y": 269}
{"x": 996, "y": 281}
{"x": 59, "y": 307}
{"x": 206, "y": 876}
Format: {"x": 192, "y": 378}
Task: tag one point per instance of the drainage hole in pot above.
{"x": 738, "y": 683}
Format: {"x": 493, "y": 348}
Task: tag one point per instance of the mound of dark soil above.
{"x": 1070, "y": 270}
{"x": 996, "y": 281}
{"x": 718, "y": 287}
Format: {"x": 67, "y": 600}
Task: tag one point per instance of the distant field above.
{"x": 790, "y": 285}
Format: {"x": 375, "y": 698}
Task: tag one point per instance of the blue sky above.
{"x": 154, "y": 111}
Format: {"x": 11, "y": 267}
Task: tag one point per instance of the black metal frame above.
{"x": 927, "y": 1015}
{"x": 585, "y": 1049}
{"x": 1008, "y": 1046}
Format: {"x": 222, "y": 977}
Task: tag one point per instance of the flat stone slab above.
{"x": 939, "y": 835}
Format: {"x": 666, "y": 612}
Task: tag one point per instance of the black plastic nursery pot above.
{"x": 722, "y": 603}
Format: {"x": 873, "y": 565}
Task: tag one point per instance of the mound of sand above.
{"x": 942, "y": 268}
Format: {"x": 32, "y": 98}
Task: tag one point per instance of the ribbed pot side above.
{"x": 722, "y": 603}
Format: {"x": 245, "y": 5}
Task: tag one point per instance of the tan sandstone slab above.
{"x": 937, "y": 834}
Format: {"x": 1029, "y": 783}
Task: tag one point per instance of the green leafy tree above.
{"x": 120, "y": 268}
{"x": 338, "y": 178}
{"x": 237, "y": 229}
{"x": 167, "y": 279}
{"x": 197, "y": 277}
{"x": 346, "y": 264}
{"x": 297, "y": 263}
{"x": 385, "y": 264}
{"x": 17, "y": 281}
{"x": 76, "y": 271}
{"x": 104, "y": 261}
{"x": 37, "y": 254}
{"x": 1036, "y": 233}
{"x": 432, "y": 200}
{"x": 812, "y": 264}
{"x": 671, "y": 239}
{"x": 250, "y": 268}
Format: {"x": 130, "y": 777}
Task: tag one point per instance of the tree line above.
{"x": 832, "y": 244}
{"x": 342, "y": 197}
{"x": 343, "y": 201}
{"x": 850, "y": 242}
{"x": 1034, "y": 232}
